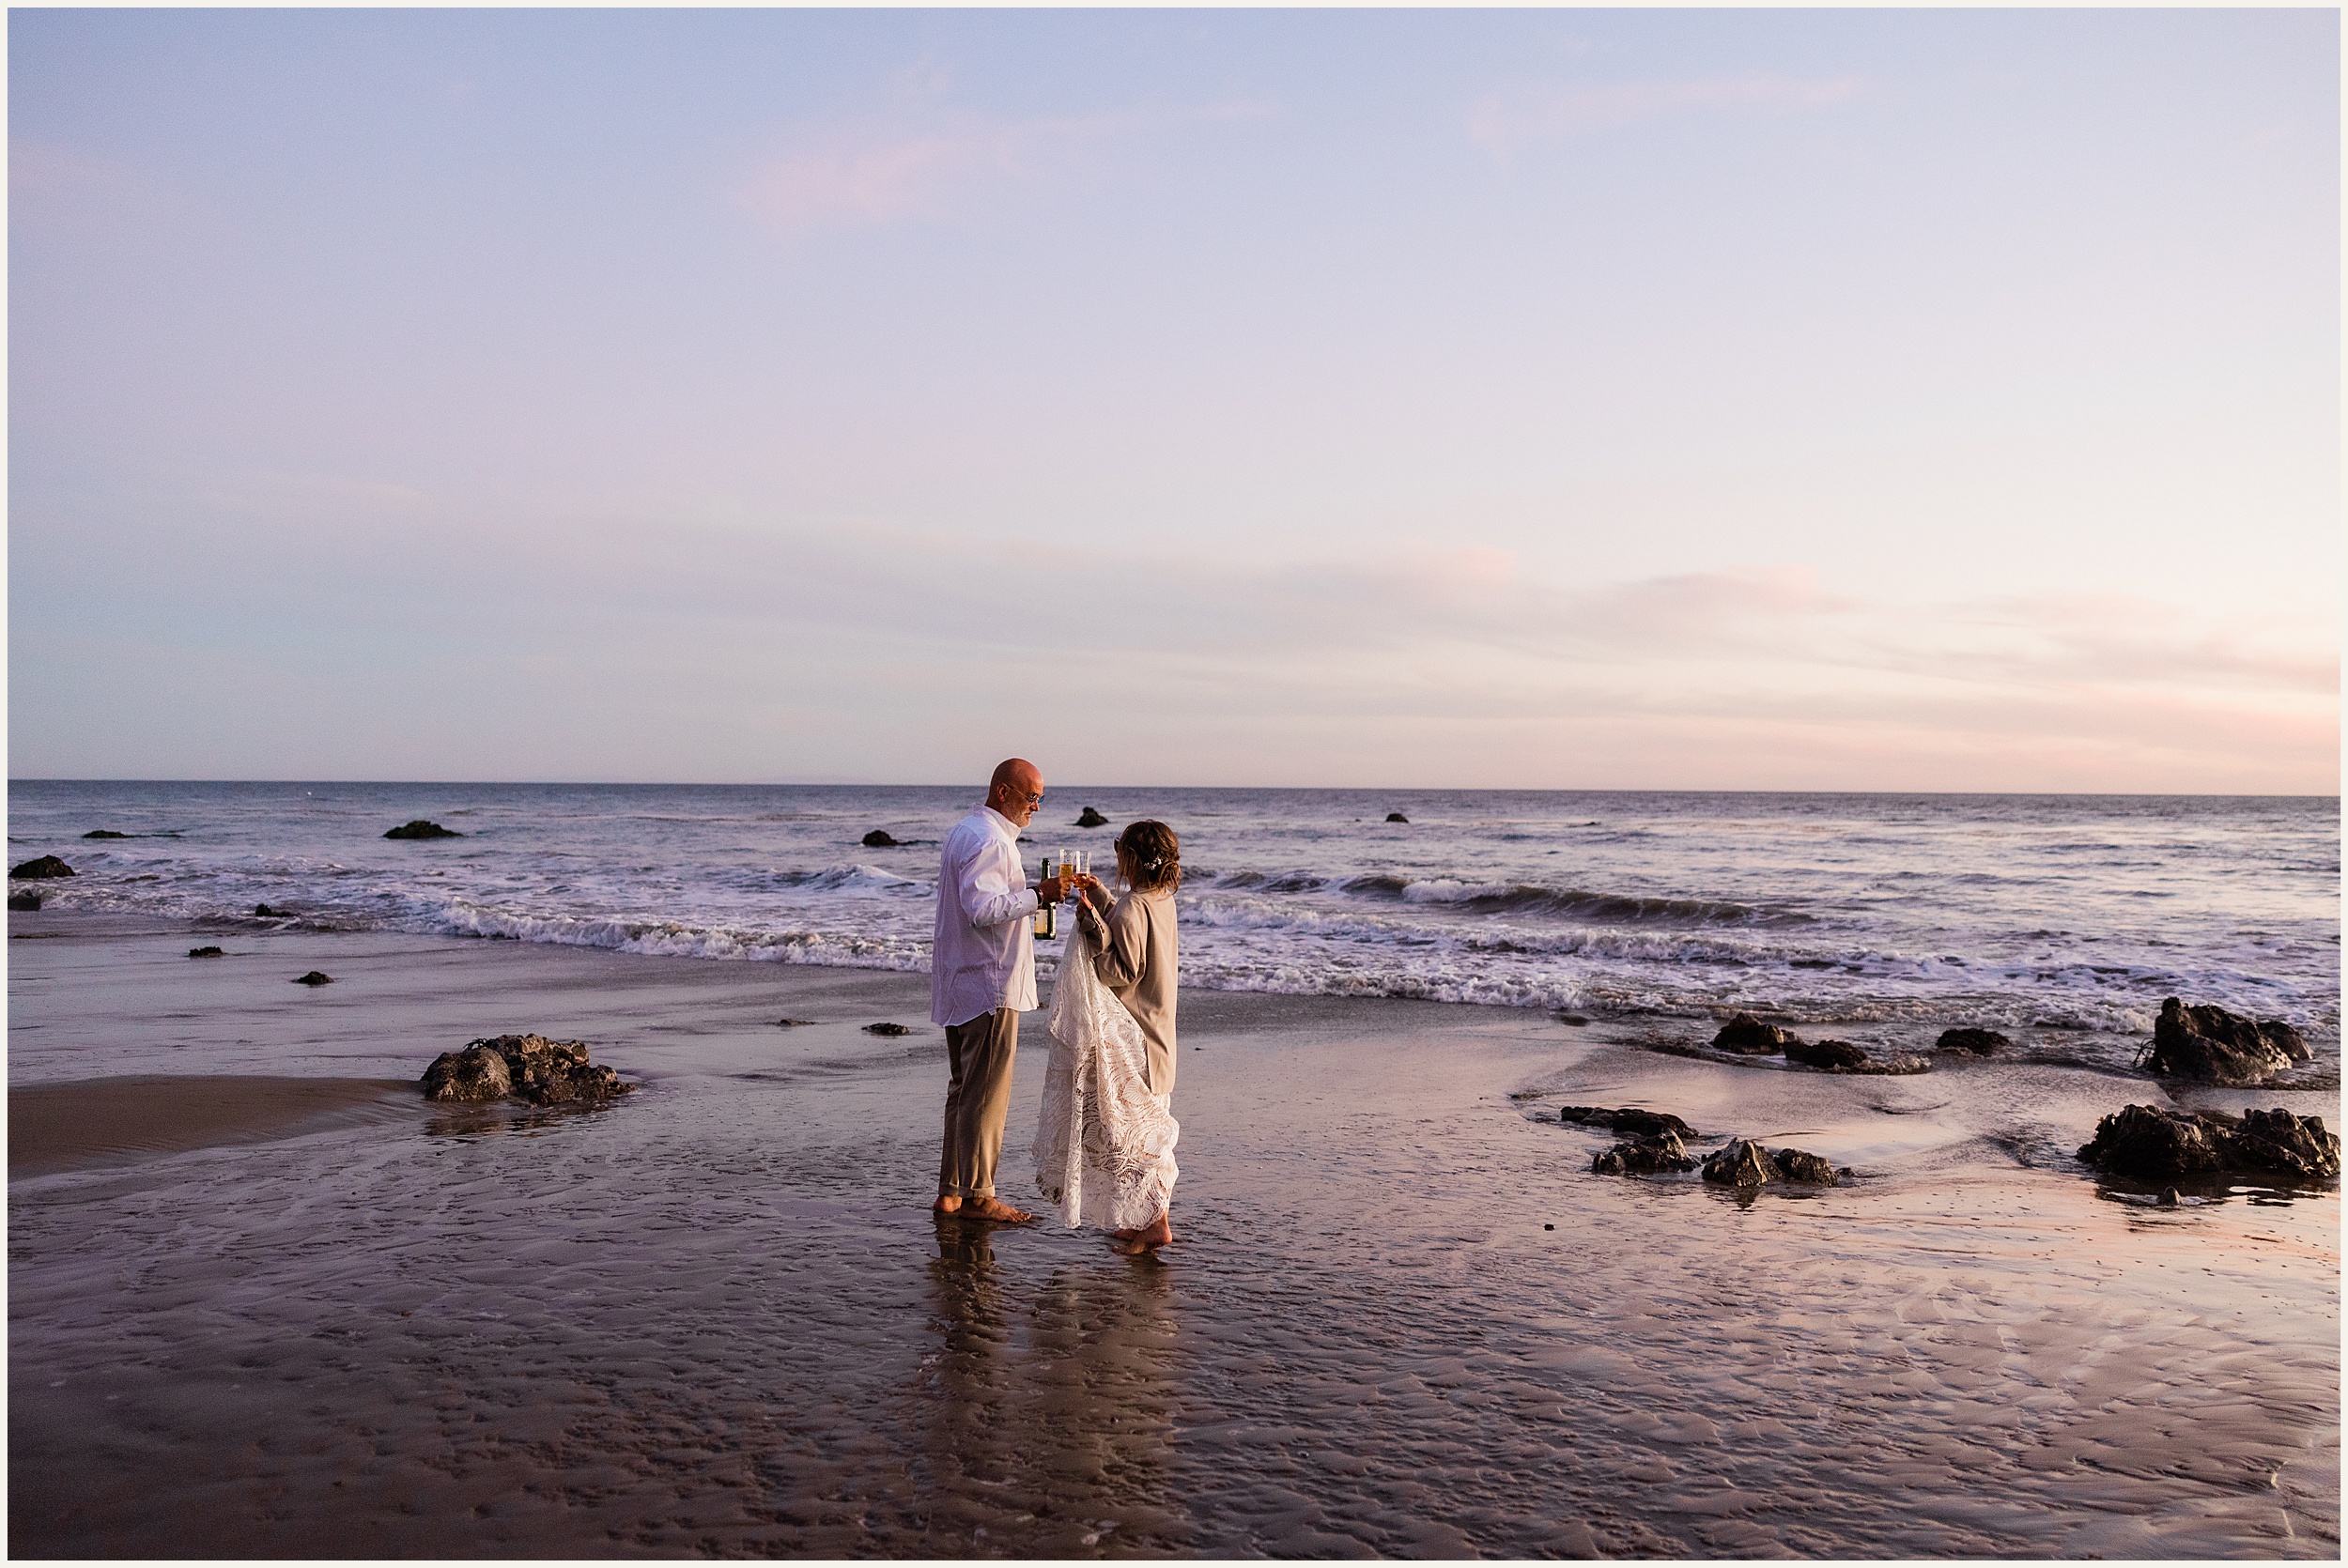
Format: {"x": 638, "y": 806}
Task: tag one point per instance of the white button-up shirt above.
{"x": 984, "y": 956}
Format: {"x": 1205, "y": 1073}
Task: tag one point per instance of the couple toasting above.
{"x": 1105, "y": 1140}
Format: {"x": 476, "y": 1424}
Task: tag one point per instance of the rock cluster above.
{"x": 1660, "y": 1151}
{"x": 48, "y": 865}
{"x": 530, "y": 1067}
{"x": 1629, "y": 1121}
{"x": 2214, "y": 1045}
{"x": 1973, "y": 1042}
{"x": 422, "y": 829}
{"x": 2152, "y": 1144}
{"x": 879, "y": 840}
{"x": 1092, "y": 819}
{"x": 1747, "y": 1036}
{"x": 1745, "y": 1163}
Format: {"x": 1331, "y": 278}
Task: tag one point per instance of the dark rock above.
{"x": 541, "y": 1070}
{"x": 1644, "y": 1157}
{"x": 205, "y": 953}
{"x": 421, "y": 829}
{"x": 1747, "y": 1036}
{"x": 265, "y": 912}
{"x": 1397, "y": 817}
{"x": 2152, "y": 1144}
{"x": 474, "y": 1073}
{"x": 24, "y": 901}
{"x": 1742, "y": 1163}
{"x": 105, "y": 833}
{"x": 877, "y": 839}
{"x": 2214, "y": 1045}
{"x": 1973, "y": 1042}
{"x": 314, "y": 978}
{"x": 1629, "y": 1121}
{"x": 2171, "y": 1197}
{"x": 1801, "y": 1165}
{"x": 47, "y": 866}
{"x": 1092, "y": 819}
{"x": 2278, "y": 1141}
{"x": 1832, "y": 1056}
{"x": 886, "y": 1029}
{"x": 794, "y": 1023}
{"x": 1574, "y": 1021}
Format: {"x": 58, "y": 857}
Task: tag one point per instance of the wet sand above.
{"x": 715, "y": 1318}
{"x": 63, "y": 1127}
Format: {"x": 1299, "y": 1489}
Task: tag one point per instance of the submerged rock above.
{"x": 315, "y": 977}
{"x": 793, "y": 1022}
{"x": 205, "y": 953}
{"x": 879, "y": 839}
{"x": 1973, "y": 1042}
{"x": 24, "y": 901}
{"x": 886, "y": 1029}
{"x": 264, "y": 913}
{"x": 2152, "y": 1144}
{"x": 2214, "y": 1045}
{"x": 105, "y": 833}
{"x": 1742, "y": 1163}
{"x": 422, "y": 829}
{"x": 1747, "y": 1036}
{"x": 1832, "y": 1056}
{"x": 1629, "y": 1121}
{"x": 1092, "y": 819}
{"x": 1801, "y": 1166}
{"x": 531, "y": 1066}
{"x": 1644, "y": 1156}
{"x": 48, "y": 865}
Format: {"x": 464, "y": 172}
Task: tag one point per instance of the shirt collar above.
{"x": 1003, "y": 824}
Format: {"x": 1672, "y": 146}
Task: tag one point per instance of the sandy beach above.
{"x": 285, "y": 1307}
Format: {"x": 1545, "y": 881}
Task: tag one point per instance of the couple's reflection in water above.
{"x": 1047, "y": 1404}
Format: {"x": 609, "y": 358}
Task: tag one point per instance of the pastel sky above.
{"x": 1854, "y": 400}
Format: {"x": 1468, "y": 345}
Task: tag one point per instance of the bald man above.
{"x": 981, "y": 978}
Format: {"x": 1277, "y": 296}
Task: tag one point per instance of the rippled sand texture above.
{"x": 717, "y": 1318}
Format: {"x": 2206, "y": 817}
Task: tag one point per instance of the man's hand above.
{"x": 1051, "y": 890}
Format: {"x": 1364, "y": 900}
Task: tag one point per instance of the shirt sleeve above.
{"x": 1126, "y": 952}
{"x": 990, "y": 889}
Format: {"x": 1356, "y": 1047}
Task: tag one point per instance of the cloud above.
{"x": 874, "y": 173}
{"x": 1504, "y": 121}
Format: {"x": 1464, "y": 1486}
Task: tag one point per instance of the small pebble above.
{"x": 1549, "y": 1227}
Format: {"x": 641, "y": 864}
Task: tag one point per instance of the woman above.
{"x": 1105, "y": 1143}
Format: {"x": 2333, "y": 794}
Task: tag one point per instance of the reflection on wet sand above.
{"x": 1047, "y": 1410}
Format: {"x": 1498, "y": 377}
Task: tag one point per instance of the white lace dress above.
{"x": 1105, "y": 1143}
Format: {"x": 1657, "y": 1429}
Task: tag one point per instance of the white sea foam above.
{"x": 1835, "y": 909}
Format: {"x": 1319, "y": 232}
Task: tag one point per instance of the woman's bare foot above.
{"x": 1156, "y": 1234}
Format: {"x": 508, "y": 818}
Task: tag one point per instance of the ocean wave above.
{"x": 1494, "y": 898}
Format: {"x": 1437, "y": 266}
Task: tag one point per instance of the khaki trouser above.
{"x": 979, "y": 1058}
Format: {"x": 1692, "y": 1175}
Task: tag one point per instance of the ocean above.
{"x": 1896, "y": 911}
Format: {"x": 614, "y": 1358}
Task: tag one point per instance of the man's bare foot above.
{"x": 986, "y": 1207}
{"x": 947, "y": 1204}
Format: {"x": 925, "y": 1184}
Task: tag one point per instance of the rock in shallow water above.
{"x": 24, "y": 901}
{"x": 2214, "y": 1045}
{"x": 1973, "y": 1042}
{"x": 422, "y": 829}
{"x": 1747, "y": 1036}
{"x": 1801, "y": 1166}
{"x": 879, "y": 840}
{"x": 1644, "y": 1156}
{"x": 1832, "y": 1056}
{"x": 1742, "y": 1163}
{"x": 2151, "y": 1144}
{"x": 886, "y": 1029}
{"x": 1092, "y": 819}
{"x": 315, "y": 977}
{"x": 205, "y": 953}
{"x": 1629, "y": 1121}
{"x": 541, "y": 1070}
{"x": 48, "y": 865}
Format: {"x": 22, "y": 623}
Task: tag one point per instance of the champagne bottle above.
{"x": 1046, "y": 916}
